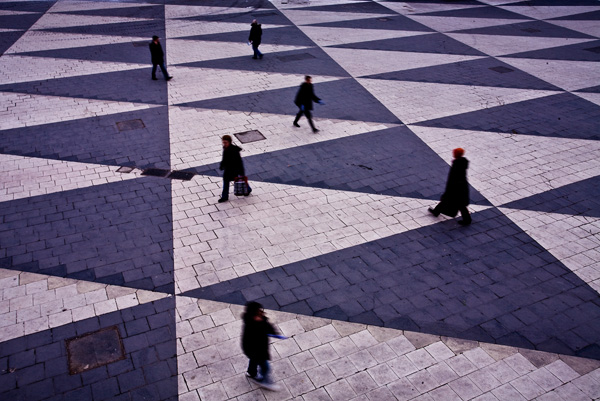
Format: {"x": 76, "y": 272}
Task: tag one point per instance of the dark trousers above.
{"x": 253, "y": 364}
{"x": 308, "y": 116}
{"x": 162, "y": 68}
{"x": 464, "y": 212}
{"x": 225, "y": 194}
{"x": 257, "y": 52}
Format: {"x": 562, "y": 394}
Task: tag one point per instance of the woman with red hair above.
{"x": 456, "y": 195}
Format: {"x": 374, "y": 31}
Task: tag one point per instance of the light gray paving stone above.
{"x": 465, "y": 388}
{"x": 342, "y": 367}
{"x": 303, "y": 361}
{"x": 324, "y": 353}
{"x": 362, "y": 360}
{"x": 420, "y": 358}
{"x": 361, "y": 382}
{"x": 213, "y": 391}
{"x": 317, "y": 395}
{"x": 562, "y": 371}
{"x": 519, "y": 364}
{"x": 327, "y": 333}
{"x": 484, "y": 380}
{"x": 479, "y": 357}
{"x": 502, "y": 371}
{"x": 299, "y": 384}
{"x": 589, "y": 384}
{"x": 444, "y": 392}
{"x": 403, "y": 389}
{"x": 442, "y": 373}
{"x": 382, "y": 374}
{"x": 340, "y": 390}
{"x": 423, "y": 381}
{"x": 507, "y": 392}
{"x": 402, "y": 366}
{"x": 382, "y": 393}
{"x": 307, "y": 340}
{"x": 197, "y": 378}
{"x": 382, "y": 352}
{"x": 344, "y": 346}
{"x": 569, "y": 391}
{"x": 527, "y": 387}
{"x": 545, "y": 379}
{"x": 320, "y": 376}
{"x": 363, "y": 339}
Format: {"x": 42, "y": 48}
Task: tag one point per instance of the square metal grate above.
{"x": 125, "y": 169}
{"x": 130, "y": 125}
{"x": 181, "y": 175}
{"x": 94, "y": 349}
{"x": 249, "y": 136}
{"x": 501, "y": 69}
{"x": 531, "y": 30}
{"x": 155, "y": 172}
{"x": 295, "y": 57}
{"x": 140, "y": 44}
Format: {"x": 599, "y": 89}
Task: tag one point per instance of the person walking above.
{"x": 255, "y": 38}
{"x": 456, "y": 195}
{"x": 255, "y": 344}
{"x": 304, "y": 101}
{"x": 232, "y": 166}
{"x": 158, "y": 58}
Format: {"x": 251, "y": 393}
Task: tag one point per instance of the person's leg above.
{"x": 264, "y": 371}
{"x": 154, "y": 71}
{"x": 260, "y": 55}
{"x": 255, "y": 50}
{"x": 466, "y": 216}
{"x": 300, "y": 112}
{"x": 310, "y": 121}
{"x": 164, "y": 71}
{"x": 225, "y": 194}
{"x": 252, "y": 368}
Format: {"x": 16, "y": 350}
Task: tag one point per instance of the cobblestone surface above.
{"x": 378, "y": 299}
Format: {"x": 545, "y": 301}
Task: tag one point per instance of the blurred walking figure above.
{"x": 232, "y": 166}
{"x": 456, "y": 195}
{"x": 255, "y": 344}
{"x": 255, "y": 38}
{"x": 158, "y": 58}
{"x": 304, "y": 101}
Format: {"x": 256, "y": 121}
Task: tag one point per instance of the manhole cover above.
{"x": 130, "y": 125}
{"x": 383, "y": 19}
{"x": 531, "y": 30}
{"x": 268, "y": 14}
{"x": 501, "y": 69}
{"x": 125, "y": 169}
{"x": 155, "y": 172}
{"x": 140, "y": 44}
{"x": 593, "y": 49}
{"x": 94, "y": 349}
{"x": 249, "y": 136}
{"x": 295, "y": 57}
{"x": 181, "y": 175}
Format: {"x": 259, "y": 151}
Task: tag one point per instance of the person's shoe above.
{"x": 267, "y": 385}
{"x": 433, "y": 212}
{"x": 249, "y": 192}
{"x": 297, "y": 125}
{"x": 315, "y": 131}
{"x": 169, "y": 78}
{"x": 221, "y": 200}
{"x": 154, "y": 79}
{"x": 254, "y": 58}
{"x": 464, "y": 223}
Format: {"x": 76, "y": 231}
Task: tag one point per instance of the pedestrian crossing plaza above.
{"x": 122, "y": 277}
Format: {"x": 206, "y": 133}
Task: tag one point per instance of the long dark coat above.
{"x": 306, "y": 96}
{"x": 255, "y": 34}
{"x": 255, "y": 340}
{"x": 156, "y": 51}
{"x": 456, "y": 194}
{"x": 232, "y": 163}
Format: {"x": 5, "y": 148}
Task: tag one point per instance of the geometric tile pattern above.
{"x": 380, "y": 300}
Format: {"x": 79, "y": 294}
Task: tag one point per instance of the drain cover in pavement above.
{"x": 94, "y": 349}
{"x": 249, "y": 136}
{"x": 501, "y": 69}
{"x": 140, "y": 44}
{"x": 155, "y": 172}
{"x": 181, "y": 175}
{"x": 531, "y": 30}
{"x": 295, "y": 57}
{"x": 130, "y": 125}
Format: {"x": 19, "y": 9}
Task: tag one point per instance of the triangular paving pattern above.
{"x": 479, "y": 72}
{"x": 587, "y": 51}
{"x": 479, "y": 12}
{"x": 394, "y": 22}
{"x": 265, "y": 17}
{"x": 146, "y": 11}
{"x": 281, "y": 101}
{"x": 117, "y": 52}
{"x": 431, "y": 43}
{"x": 567, "y": 110}
{"x": 529, "y": 29}
{"x": 134, "y": 29}
{"x": 285, "y": 35}
{"x": 362, "y": 7}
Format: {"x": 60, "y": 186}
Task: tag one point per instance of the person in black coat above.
{"x": 456, "y": 195}
{"x": 232, "y": 166}
{"x": 304, "y": 101}
{"x": 255, "y": 342}
{"x": 255, "y": 38}
{"x": 158, "y": 58}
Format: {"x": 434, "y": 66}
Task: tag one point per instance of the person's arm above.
{"x": 314, "y": 97}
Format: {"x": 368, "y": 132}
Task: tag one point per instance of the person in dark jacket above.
{"x": 255, "y": 343}
{"x": 255, "y": 38}
{"x": 158, "y": 58}
{"x": 304, "y": 101}
{"x": 456, "y": 195}
{"x": 232, "y": 166}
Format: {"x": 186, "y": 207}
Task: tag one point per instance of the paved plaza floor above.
{"x": 123, "y": 279}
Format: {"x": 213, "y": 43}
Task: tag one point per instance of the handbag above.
{"x": 240, "y": 186}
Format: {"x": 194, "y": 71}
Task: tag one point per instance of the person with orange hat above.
{"x": 456, "y": 195}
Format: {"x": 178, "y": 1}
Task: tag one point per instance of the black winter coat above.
{"x": 255, "y": 340}
{"x": 156, "y": 50}
{"x": 255, "y": 34}
{"x": 306, "y": 96}
{"x": 457, "y": 187}
{"x": 232, "y": 163}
